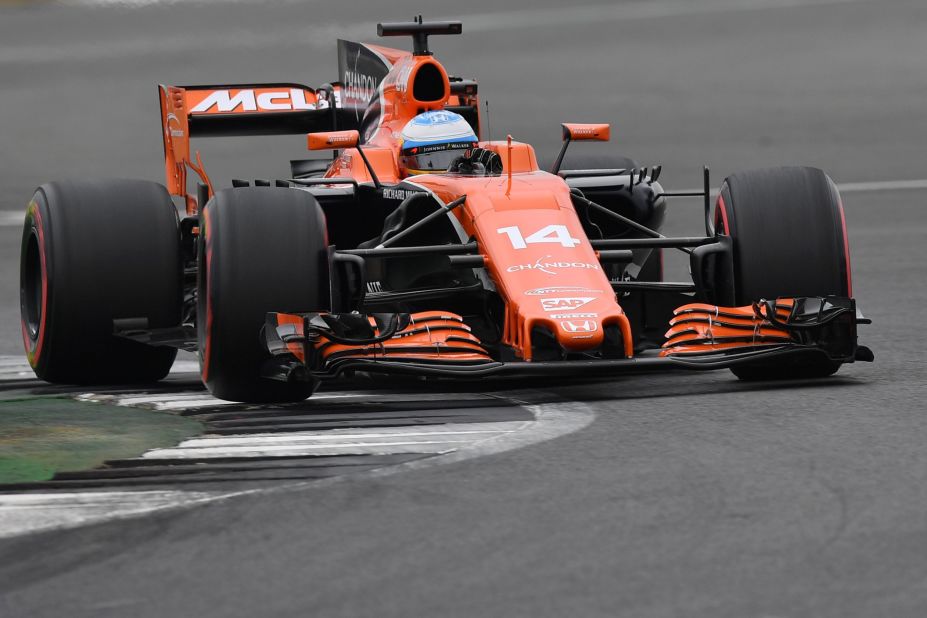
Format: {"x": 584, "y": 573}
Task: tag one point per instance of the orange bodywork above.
{"x": 331, "y": 140}
{"x": 589, "y": 132}
{"x": 436, "y": 336}
{"x": 536, "y": 253}
{"x": 698, "y": 328}
{"x": 432, "y": 336}
{"x": 581, "y": 303}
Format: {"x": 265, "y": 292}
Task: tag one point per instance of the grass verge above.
{"x": 42, "y": 436}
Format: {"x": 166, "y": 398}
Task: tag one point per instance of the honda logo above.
{"x": 579, "y": 326}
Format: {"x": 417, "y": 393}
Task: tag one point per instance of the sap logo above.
{"x": 579, "y": 326}
{"x": 564, "y": 304}
{"x": 248, "y": 100}
{"x": 551, "y": 268}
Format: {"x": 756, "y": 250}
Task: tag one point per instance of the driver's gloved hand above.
{"x": 490, "y": 160}
{"x": 467, "y": 167}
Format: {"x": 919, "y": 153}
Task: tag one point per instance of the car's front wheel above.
{"x": 262, "y": 249}
{"x": 789, "y": 240}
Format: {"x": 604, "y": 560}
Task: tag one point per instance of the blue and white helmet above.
{"x": 432, "y": 140}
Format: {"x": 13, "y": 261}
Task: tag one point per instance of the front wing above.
{"x": 439, "y": 344}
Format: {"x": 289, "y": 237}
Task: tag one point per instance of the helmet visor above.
{"x": 434, "y": 158}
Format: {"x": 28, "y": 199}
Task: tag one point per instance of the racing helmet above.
{"x": 431, "y": 141}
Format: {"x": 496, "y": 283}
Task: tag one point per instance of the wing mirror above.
{"x": 332, "y": 140}
{"x": 581, "y": 132}
{"x": 588, "y": 132}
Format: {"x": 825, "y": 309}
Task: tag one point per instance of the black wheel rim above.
{"x": 31, "y": 291}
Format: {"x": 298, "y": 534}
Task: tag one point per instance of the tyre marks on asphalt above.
{"x": 247, "y": 448}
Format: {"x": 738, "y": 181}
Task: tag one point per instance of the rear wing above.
{"x": 267, "y": 109}
{"x": 282, "y": 109}
{"x": 237, "y": 109}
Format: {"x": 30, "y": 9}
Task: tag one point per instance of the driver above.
{"x": 431, "y": 141}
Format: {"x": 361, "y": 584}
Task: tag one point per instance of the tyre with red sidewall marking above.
{"x": 94, "y": 251}
{"x": 261, "y": 250}
{"x": 789, "y": 240}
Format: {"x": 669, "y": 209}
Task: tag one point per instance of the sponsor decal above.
{"x": 359, "y": 88}
{"x": 547, "y": 266}
{"x": 579, "y": 326}
{"x": 561, "y": 289}
{"x": 402, "y": 80}
{"x": 250, "y": 100}
{"x": 564, "y": 303}
{"x": 398, "y": 194}
{"x": 337, "y": 138}
{"x": 174, "y": 132}
{"x": 574, "y": 315}
{"x": 553, "y": 234}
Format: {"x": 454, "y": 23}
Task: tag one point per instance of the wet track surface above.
{"x": 686, "y": 494}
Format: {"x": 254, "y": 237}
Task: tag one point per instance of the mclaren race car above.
{"x": 416, "y": 246}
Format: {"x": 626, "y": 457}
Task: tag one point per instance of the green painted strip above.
{"x": 42, "y": 436}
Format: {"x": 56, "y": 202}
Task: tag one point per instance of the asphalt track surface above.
{"x": 687, "y": 495}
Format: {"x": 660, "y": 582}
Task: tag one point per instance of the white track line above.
{"x": 185, "y": 400}
{"x": 321, "y": 35}
{"x": 852, "y": 187}
{"x": 309, "y": 437}
{"x": 512, "y": 20}
{"x": 26, "y": 513}
{"x": 409, "y": 439}
{"x": 15, "y": 367}
{"x": 417, "y": 447}
{"x": 15, "y": 218}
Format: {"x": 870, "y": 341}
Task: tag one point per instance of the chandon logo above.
{"x": 248, "y": 101}
{"x": 551, "y": 268}
{"x": 358, "y": 88}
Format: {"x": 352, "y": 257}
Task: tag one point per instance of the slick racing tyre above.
{"x": 94, "y": 251}
{"x": 789, "y": 240}
{"x": 262, "y": 249}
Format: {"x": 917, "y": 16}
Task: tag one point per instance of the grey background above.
{"x": 689, "y": 495}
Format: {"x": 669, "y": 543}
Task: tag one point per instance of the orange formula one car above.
{"x": 421, "y": 248}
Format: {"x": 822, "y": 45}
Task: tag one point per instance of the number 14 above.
{"x": 555, "y": 234}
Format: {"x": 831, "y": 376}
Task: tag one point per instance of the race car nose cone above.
{"x": 579, "y": 333}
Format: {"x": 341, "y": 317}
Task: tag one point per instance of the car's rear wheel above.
{"x": 262, "y": 249}
{"x": 94, "y": 251}
{"x": 789, "y": 240}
